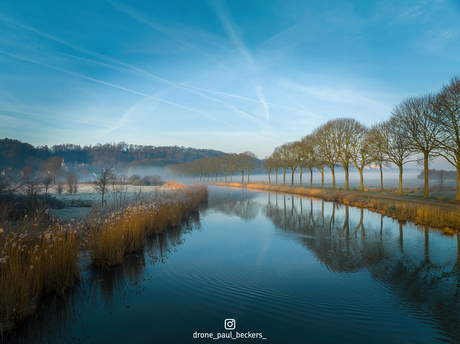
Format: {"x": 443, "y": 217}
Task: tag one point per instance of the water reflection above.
{"x": 238, "y": 202}
{"x": 100, "y": 290}
{"x": 293, "y": 266}
{"x": 420, "y": 270}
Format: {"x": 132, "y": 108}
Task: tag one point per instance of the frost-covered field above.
{"x": 80, "y": 203}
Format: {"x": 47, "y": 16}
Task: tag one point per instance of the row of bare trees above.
{"x": 223, "y": 166}
{"x": 419, "y": 129}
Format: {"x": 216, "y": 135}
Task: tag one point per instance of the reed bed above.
{"x": 437, "y": 216}
{"x": 125, "y": 230}
{"x": 40, "y": 255}
{"x": 34, "y": 261}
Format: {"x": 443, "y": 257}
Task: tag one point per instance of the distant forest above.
{"x": 16, "y": 155}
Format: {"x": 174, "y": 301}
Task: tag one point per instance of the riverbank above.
{"x": 437, "y": 214}
{"x": 42, "y": 255}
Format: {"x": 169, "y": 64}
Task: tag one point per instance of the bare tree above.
{"x": 268, "y": 165}
{"x": 232, "y": 166}
{"x": 240, "y": 165}
{"x": 342, "y": 132}
{"x": 59, "y": 187}
{"x": 324, "y": 147}
{"x": 415, "y": 115}
{"x": 6, "y": 184}
{"x": 275, "y": 160}
{"x": 307, "y": 162}
{"x": 251, "y": 161}
{"x": 102, "y": 181}
{"x": 395, "y": 144}
{"x": 71, "y": 182}
{"x": 295, "y": 158}
{"x": 47, "y": 180}
{"x": 361, "y": 154}
{"x": 52, "y": 166}
{"x": 31, "y": 186}
{"x": 283, "y": 155}
{"x": 377, "y": 148}
{"x": 447, "y": 114}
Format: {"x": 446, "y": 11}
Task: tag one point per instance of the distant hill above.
{"x": 14, "y": 155}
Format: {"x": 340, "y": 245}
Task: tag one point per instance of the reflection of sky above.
{"x": 225, "y": 75}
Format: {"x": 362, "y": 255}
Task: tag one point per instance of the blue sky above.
{"x": 227, "y": 75}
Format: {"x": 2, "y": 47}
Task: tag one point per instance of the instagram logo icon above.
{"x": 229, "y": 324}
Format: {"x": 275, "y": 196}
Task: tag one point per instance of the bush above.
{"x": 141, "y": 182}
{"x": 133, "y": 178}
{"x": 154, "y": 180}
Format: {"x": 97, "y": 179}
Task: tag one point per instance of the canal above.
{"x": 268, "y": 267}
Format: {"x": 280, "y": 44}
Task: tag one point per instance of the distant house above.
{"x": 64, "y": 167}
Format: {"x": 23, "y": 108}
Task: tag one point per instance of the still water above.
{"x": 286, "y": 268}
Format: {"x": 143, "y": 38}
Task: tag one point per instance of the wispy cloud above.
{"x": 262, "y": 100}
{"x": 128, "y": 67}
{"x": 118, "y": 87}
{"x": 435, "y": 41}
{"x": 228, "y": 27}
{"x": 341, "y": 94}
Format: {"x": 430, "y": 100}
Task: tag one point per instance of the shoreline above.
{"x": 437, "y": 214}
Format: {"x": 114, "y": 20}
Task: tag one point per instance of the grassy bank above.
{"x": 40, "y": 255}
{"x": 417, "y": 211}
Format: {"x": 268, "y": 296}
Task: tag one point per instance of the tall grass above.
{"x": 40, "y": 255}
{"x": 444, "y": 218}
{"x": 34, "y": 261}
{"x": 124, "y": 231}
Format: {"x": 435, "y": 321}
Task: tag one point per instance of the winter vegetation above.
{"x": 420, "y": 129}
{"x": 19, "y": 158}
{"x": 41, "y": 254}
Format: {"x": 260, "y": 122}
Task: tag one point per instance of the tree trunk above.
{"x": 311, "y": 177}
{"x": 248, "y": 176}
{"x": 231, "y": 177}
{"x": 301, "y": 172}
{"x": 458, "y": 183}
{"x": 425, "y": 166}
{"x": 346, "y": 176}
{"x": 284, "y": 176}
{"x": 400, "y": 180}
{"x": 361, "y": 179}
{"x": 322, "y": 178}
{"x": 269, "y": 182}
{"x": 333, "y": 177}
{"x": 292, "y": 177}
{"x": 242, "y": 177}
{"x": 381, "y": 178}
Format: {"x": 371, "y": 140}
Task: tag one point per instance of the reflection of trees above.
{"x": 345, "y": 245}
{"x": 100, "y": 289}
{"x": 239, "y": 202}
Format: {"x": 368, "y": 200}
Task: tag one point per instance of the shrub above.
{"x": 141, "y": 182}
{"x": 133, "y": 178}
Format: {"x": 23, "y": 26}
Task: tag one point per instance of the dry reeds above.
{"x": 40, "y": 255}
{"x": 125, "y": 230}
{"x": 34, "y": 261}
{"x": 175, "y": 185}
